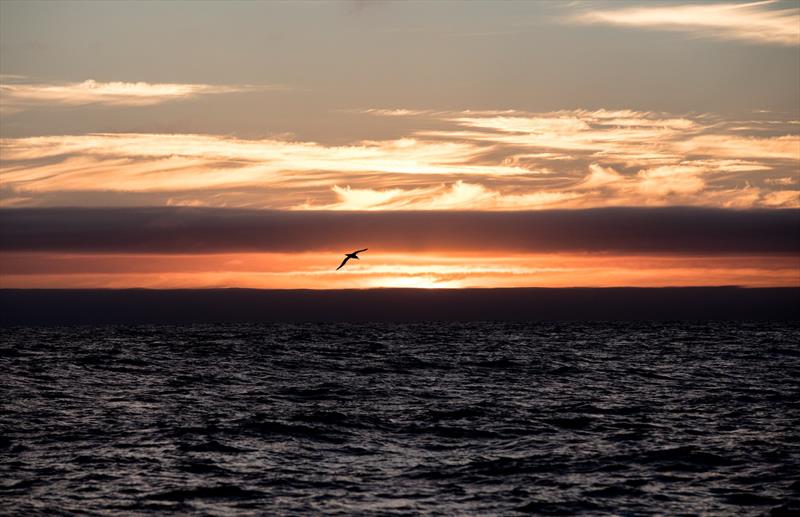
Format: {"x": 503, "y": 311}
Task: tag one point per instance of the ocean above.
{"x": 401, "y": 419}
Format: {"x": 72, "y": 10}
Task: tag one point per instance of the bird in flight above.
{"x": 348, "y": 256}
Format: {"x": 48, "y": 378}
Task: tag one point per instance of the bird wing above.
{"x": 346, "y": 258}
{"x": 359, "y": 251}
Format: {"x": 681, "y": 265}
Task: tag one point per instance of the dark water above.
{"x": 402, "y": 419}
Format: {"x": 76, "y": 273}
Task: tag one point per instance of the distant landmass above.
{"x": 120, "y": 306}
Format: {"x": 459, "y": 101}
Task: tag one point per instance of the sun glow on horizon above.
{"x": 376, "y": 270}
{"x": 500, "y": 144}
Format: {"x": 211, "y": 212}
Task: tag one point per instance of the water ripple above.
{"x": 436, "y": 419}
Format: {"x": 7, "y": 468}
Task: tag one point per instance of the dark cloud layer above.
{"x": 207, "y": 230}
{"x": 91, "y": 306}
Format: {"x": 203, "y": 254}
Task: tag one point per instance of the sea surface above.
{"x": 401, "y": 419}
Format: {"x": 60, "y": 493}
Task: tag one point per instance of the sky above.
{"x": 123, "y": 122}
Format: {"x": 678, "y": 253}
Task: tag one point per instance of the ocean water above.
{"x": 401, "y": 419}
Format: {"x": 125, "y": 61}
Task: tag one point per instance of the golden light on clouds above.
{"x": 20, "y": 95}
{"x": 511, "y": 145}
{"x": 476, "y": 160}
{"x": 756, "y": 22}
{"x": 458, "y": 195}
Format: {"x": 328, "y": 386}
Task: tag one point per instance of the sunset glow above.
{"x": 658, "y": 106}
{"x": 514, "y": 161}
{"x": 399, "y": 257}
{"x": 429, "y": 270}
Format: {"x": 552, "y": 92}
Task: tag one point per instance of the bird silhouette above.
{"x": 348, "y": 256}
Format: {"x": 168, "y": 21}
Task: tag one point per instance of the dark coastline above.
{"x": 121, "y": 306}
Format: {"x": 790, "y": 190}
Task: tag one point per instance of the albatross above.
{"x": 348, "y": 256}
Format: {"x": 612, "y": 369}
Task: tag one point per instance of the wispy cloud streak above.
{"x": 16, "y": 96}
{"x": 755, "y": 22}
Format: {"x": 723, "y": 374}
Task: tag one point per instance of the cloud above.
{"x": 481, "y": 160}
{"x": 21, "y": 95}
{"x": 629, "y": 137}
{"x": 783, "y": 181}
{"x": 782, "y": 198}
{"x": 187, "y": 230}
{"x": 456, "y": 196}
{"x": 785, "y": 147}
{"x": 401, "y": 156}
{"x": 651, "y": 184}
{"x": 392, "y": 112}
{"x": 755, "y": 22}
